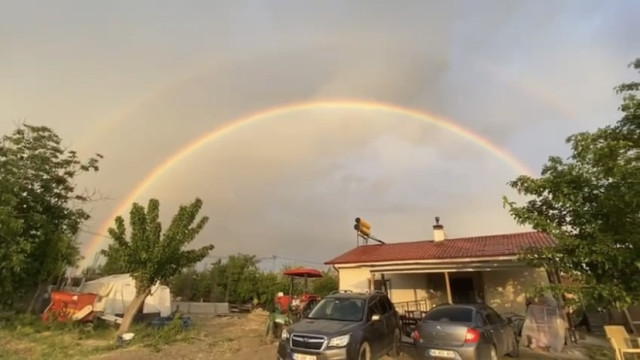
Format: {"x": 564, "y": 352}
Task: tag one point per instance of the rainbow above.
{"x": 93, "y": 245}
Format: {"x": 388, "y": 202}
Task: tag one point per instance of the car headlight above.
{"x": 340, "y": 341}
{"x": 285, "y": 335}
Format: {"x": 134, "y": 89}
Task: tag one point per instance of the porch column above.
{"x": 446, "y": 281}
{"x": 372, "y": 282}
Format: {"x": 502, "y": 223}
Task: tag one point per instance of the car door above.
{"x": 390, "y": 319}
{"x": 376, "y": 329}
{"x": 496, "y": 325}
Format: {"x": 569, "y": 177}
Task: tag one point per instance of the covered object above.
{"x": 115, "y": 292}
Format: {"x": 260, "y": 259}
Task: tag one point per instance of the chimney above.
{"x": 438, "y": 231}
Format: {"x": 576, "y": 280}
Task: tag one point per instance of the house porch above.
{"x": 501, "y": 286}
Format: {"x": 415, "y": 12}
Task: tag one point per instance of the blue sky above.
{"x": 136, "y": 80}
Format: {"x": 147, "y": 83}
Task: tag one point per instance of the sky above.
{"x": 137, "y": 81}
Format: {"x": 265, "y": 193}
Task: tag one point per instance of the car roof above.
{"x": 475, "y": 306}
{"x": 354, "y": 295}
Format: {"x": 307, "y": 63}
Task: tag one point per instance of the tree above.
{"x": 590, "y": 203}
{"x": 40, "y": 213}
{"x": 239, "y": 278}
{"x": 326, "y": 284}
{"x": 151, "y": 256}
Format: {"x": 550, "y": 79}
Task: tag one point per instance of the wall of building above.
{"x": 407, "y": 287}
{"x": 505, "y": 290}
{"x": 354, "y": 279}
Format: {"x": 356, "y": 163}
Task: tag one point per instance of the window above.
{"x": 384, "y": 305}
{"x": 480, "y": 321}
{"x": 340, "y": 309}
{"x": 373, "y": 308}
{"x": 378, "y": 285}
{"x": 493, "y": 318}
{"x": 450, "y": 314}
{"x": 387, "y": 303}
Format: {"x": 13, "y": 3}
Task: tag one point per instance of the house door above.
{"x": 462, "y": 290}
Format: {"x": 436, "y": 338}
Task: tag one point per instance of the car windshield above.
{"x": 456, "y": 314}
{"x": 338, "y": 309}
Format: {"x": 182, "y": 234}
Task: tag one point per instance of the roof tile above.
{"x": 449, "y": 249}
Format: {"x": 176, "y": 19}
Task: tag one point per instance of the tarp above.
{"x": 115, "y": 292}
{"x": 544, "y": 327}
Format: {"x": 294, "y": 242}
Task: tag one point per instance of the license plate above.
{"x": 303, "y": 357}
{"x": 442, "y": 353}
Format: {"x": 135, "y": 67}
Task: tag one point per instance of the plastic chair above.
{"x": 621, "y": 341}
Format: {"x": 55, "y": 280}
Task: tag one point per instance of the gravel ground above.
{"x": 242, "y": 338}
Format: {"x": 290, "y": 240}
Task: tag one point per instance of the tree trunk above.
{"x": 132, "y": 310}
{"x": 35, "y": 300}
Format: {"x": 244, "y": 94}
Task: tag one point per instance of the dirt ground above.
{"x": 238, "y": 337}
{"x": 241, "y": 337}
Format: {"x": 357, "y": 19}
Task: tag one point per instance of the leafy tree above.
{"x": 590, "y": 203}
{"x": 40, "y": 213}
{"x": 151, "y": 256}
{"x": 269, "y": 285}
{"x": 239, "y": 278}
{"x": 113, "y": 264}
{"x": 326, "y": 284}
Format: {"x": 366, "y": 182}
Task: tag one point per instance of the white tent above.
{"x": 115, "y": 292}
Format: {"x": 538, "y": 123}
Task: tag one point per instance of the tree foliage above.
{"x": 239, "y": 281}
{"x": 590, "y": 203}
{"x": 40, "y": 213}
{"x": 150, "y": 255}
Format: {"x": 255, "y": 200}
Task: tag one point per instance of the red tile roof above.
{"x": 449, "y": 249}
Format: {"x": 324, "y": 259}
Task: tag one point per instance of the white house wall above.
{"x": 354, "y": 279}
{"x": 407, "y": 287}
{"x": 505, "y": 290}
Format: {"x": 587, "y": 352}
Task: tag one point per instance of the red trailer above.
{"x": 72, "y": 306}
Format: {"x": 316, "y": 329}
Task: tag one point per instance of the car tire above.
{"x": 515, "y": 348}
{"x": 277, "y": 330}
{"x": 364, "y": 353}
{"x": 395, "y": 346}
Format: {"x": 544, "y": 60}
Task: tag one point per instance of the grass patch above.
{"x": 156, "y": 338}
{"x": 600, "y": 353}
{"x": 26, "y": 337}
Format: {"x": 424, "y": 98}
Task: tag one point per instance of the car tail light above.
{"x": 472, "y": 336}
{"x": 415, "y": 335}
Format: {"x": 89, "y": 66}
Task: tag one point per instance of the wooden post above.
{"x": 372, "y": 282}
{"x": 446, "y": 280}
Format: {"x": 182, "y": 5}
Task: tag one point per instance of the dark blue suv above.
{"x": 344, "y": 326}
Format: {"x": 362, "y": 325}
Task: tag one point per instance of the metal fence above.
{"x": 411, "y": 306}
{"x": 201, "y": 308}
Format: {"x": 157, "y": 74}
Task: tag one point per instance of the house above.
{"x": 421, "y": 274}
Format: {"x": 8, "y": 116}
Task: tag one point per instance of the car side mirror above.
{"x": 375, "y": 317}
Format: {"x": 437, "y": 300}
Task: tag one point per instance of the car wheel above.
{"x": 277, "y": 330}
{"x": 494, "y": 353}
{"x": 515, "y": 348}
{"x": 395, "y": 347}
{"x": 365, "y": 352}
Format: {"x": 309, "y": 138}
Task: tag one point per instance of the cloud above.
{"x": 137, "y": 82}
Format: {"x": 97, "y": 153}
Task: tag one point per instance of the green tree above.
{"x": 590, "y": 203}
{"x": 239, "y": 278}
{"x": 113, "y": 264}
{"x": 151, "y": 256}
{"x": 326, "y": 284}
{"x": 40, "y": 210}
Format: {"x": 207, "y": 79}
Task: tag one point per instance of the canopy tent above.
{"x": 115, "y": 292}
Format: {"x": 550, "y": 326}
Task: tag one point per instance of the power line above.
{"x": 266, "y": 258}
{"x": 218, "y": 257}
{"x": 94, "y": 233}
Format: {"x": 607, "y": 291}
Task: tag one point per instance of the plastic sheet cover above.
{"x": 544, "y": 327}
